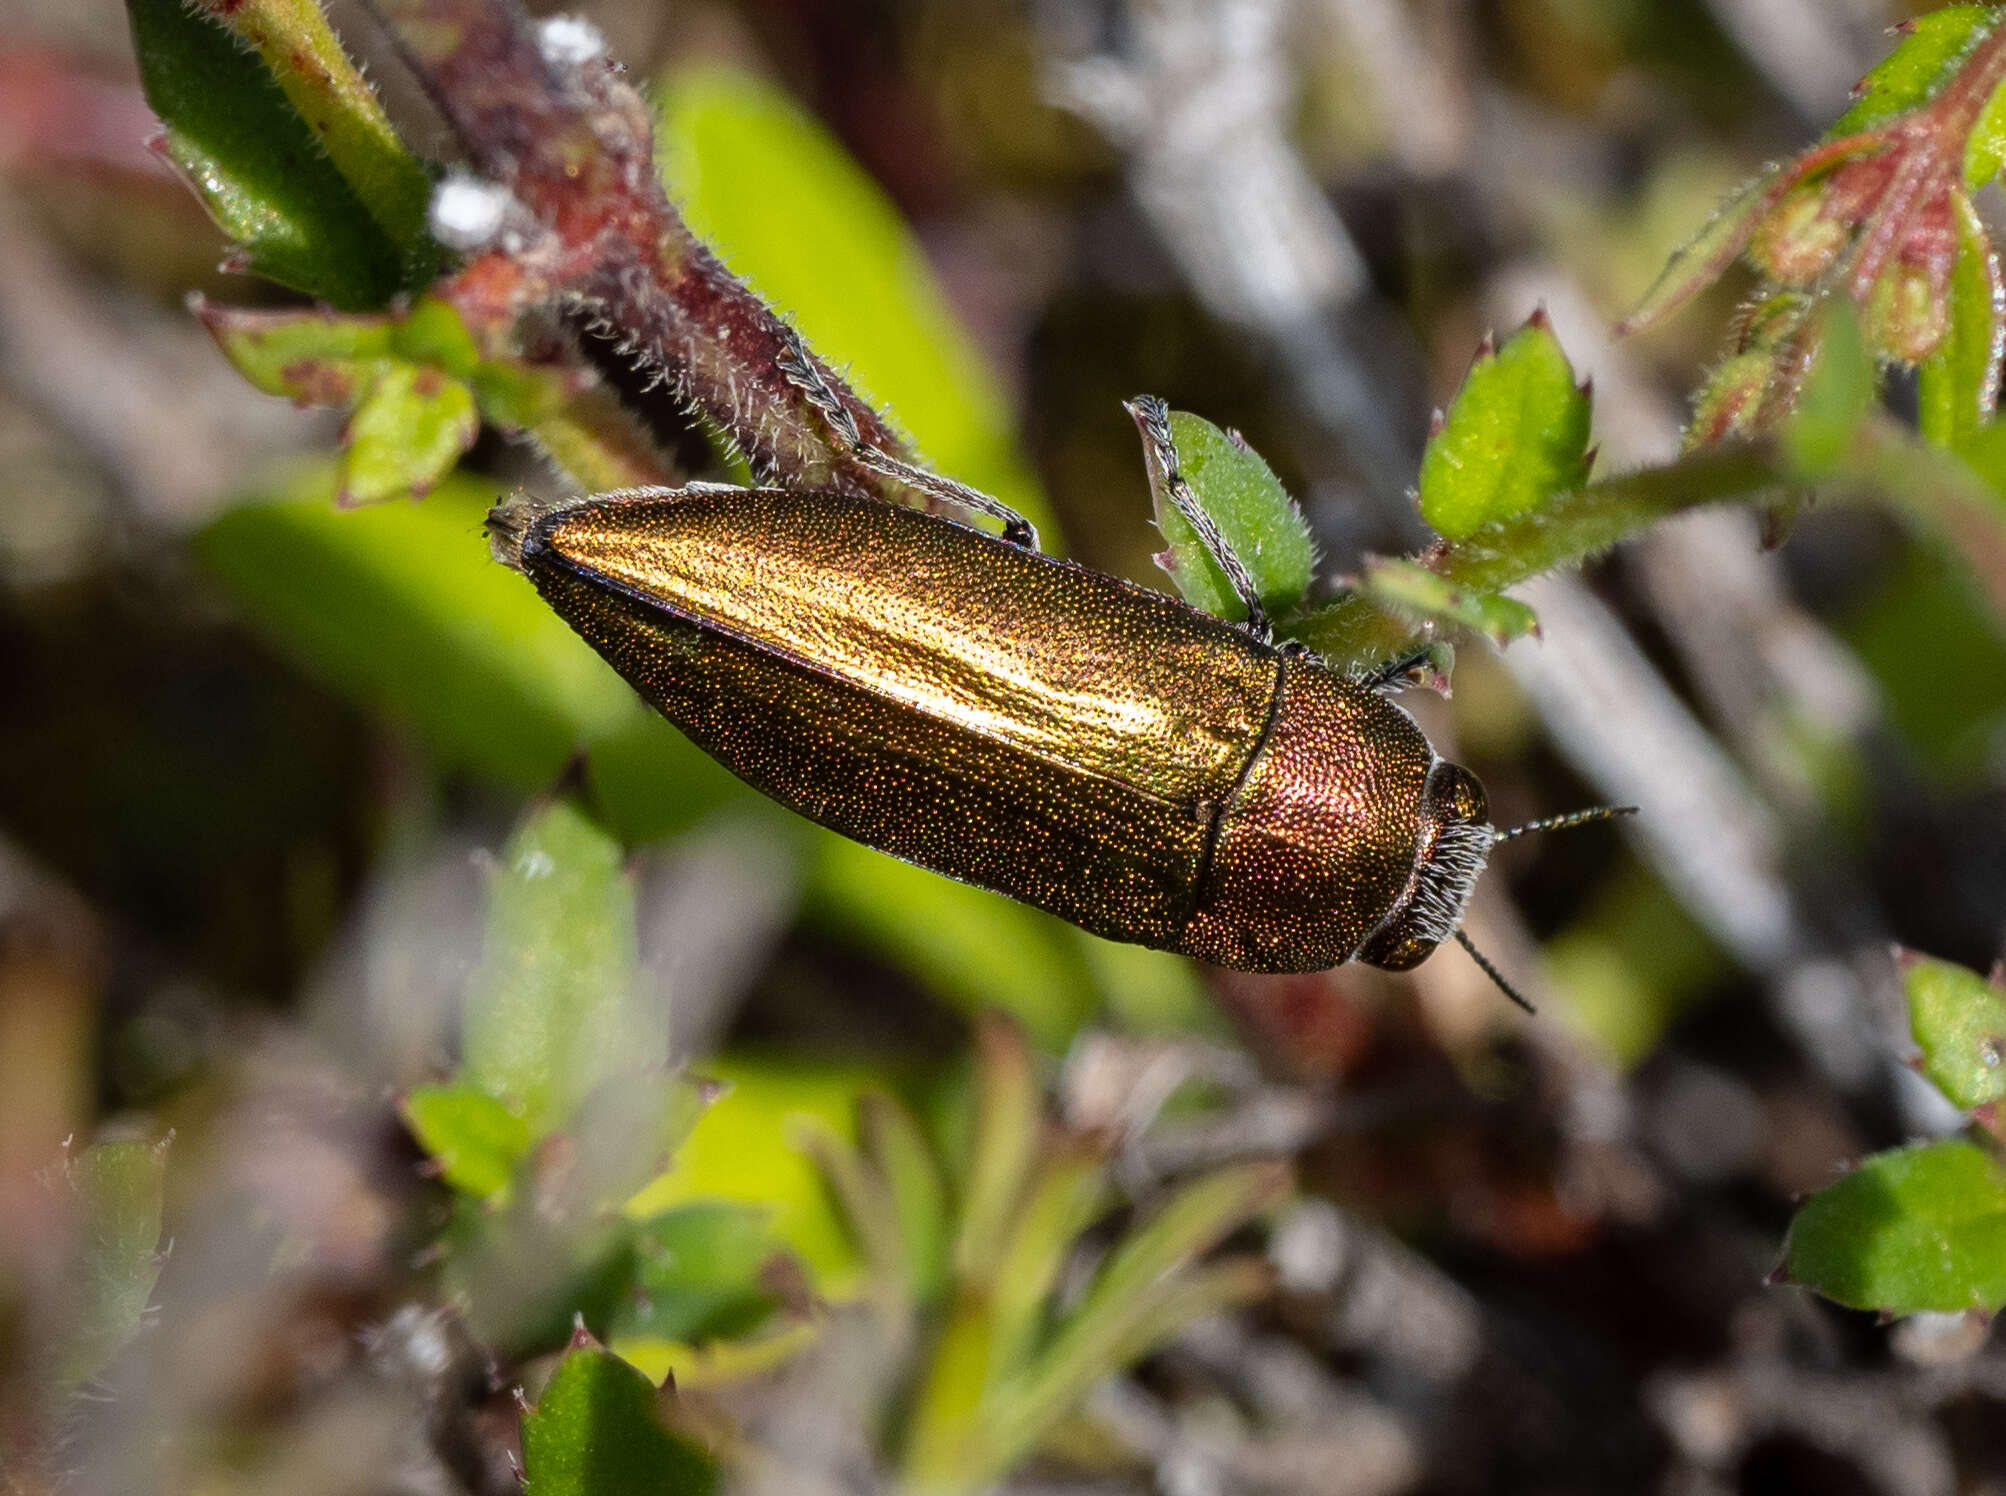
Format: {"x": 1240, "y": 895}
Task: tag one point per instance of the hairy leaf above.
{"x": 1924, "y": 60}
{"x": 1254, "y": 513}
{"x": 1957, "y": 387}
{"x": 409, "y": 428}
{"x": 256, "y": 164}
{"x": 305, "y": 57}
{"x": 1515, "y": 436}
{"x": 1413, "y": 591}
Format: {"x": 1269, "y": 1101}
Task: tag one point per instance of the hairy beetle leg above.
{"x": 798, "y": 364}
{"x": 1384, "y": 674}
{"x": 1154, "y": 417}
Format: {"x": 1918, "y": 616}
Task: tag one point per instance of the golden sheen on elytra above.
{"x": 1145, "y": 770}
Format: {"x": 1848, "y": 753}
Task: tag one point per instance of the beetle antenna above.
{"x": 1565, "y": 822}
{"x": 1484, "y": 965}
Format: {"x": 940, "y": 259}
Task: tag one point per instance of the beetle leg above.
{"x": 1387, "y": 672}
{"x": 801, "y": 371}
{"x": 1154, "y": 417}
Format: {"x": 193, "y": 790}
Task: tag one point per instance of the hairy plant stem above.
{"x": 574, "y": 144}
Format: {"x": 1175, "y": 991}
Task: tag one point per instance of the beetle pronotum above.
{"x": 965, "y": 702}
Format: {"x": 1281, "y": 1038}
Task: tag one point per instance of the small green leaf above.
{"x": 330, "y": 94}
{"x": 1837, "y": 395}
{"x": 1957, "y": 386}
{"x": 1254, "y": 513}
{"x": 475, "y": 1140}
{"x": 1412, "y": 590}
{"x": 1959, "y": 1022}
{"x": 596, "y": 1432}
{"x": 409, "y": 428}
{"x": 255, "y": 163}
{"x": 552, "y": 1011}
{"x": 1910, "y": 1230}
{"x": 310, "y": 357}
{"x": 316, "y": 357}
{"x": 1985, "y": 147}
{"x": 747, "y": 1149}
{"x": 117, "y": 1189}
{"x": 698, "y": 1276}
{"x": 1515, "y": 435}
{"x": 1925, "y": 59}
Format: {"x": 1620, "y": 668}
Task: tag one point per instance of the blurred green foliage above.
{"x": 116, "y": 1190}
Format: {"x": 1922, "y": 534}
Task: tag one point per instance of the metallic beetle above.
{"x": 961, "y": 701}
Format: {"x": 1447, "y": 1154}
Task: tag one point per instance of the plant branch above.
{"x": 574, "y": 144}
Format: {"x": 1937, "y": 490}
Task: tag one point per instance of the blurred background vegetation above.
{"x": 275, "y": 777}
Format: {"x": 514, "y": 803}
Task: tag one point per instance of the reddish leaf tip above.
{"x": 1539, "y": 319}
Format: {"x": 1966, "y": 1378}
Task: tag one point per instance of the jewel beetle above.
{"x": 965, "y": 702}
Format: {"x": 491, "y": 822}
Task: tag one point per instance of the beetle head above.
{"x": 1455, "y": 841}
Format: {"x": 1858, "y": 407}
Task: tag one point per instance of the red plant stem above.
{"x": 575, "y": 145}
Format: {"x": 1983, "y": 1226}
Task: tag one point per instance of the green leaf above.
{"x": 898, "y": 1151}
{"x": 1008, "y": 1112}
{"x": 311, "y": 356}
{"x": 1837, "y": 395}
{"x": 821, "y": 242}
{"x": 316, "y": 357}
{"x": 1957, "y": 386}
{"x": 746, "y": 1150}
{"x": 1515, "y": 435}
{"x": 1142, "y": 1295}
{"x": 552, "y": 1010}
{"x": 330, "y": 94}
{"x": 596, "y": 1432}
{"x": 1910, "y": 1230}
{"x": 1254, "y": 514}
{"x": 1959, "y": 1022}
{"x": 698, "y": 1277}
{"x": 116, "y": 1190}
{"x": 1564, "y": 532}
{"x": 475, "y": 1140}
{"x": 399, "y": 606}
{"x": 410, "y": 426}
{"x": 1925, "y": 59}
{"x": 1412, "y": 591}
{"x": 256, "y": 164}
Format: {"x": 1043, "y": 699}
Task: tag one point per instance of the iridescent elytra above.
{"x": 964, "y": 702}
